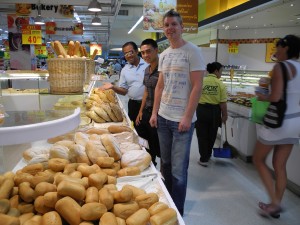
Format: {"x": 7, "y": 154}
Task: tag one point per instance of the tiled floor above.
{"x": 227, "y": 193}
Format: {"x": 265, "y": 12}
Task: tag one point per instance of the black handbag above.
{"x": 275, "y": 113}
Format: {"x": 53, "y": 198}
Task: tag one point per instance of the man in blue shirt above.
{"x": 131, "y": 79}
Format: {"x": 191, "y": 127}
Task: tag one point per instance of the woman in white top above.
{"x": 283, "y": 138}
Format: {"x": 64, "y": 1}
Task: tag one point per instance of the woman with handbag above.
{"x": 285, "y": 83}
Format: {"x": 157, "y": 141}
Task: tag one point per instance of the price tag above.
{"x": 40, "y": 50}
{"x": 31, "y": 35}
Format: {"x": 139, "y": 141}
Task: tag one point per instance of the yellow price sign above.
{"x": 33, "y": 38}
{"x": 40, "y": 50}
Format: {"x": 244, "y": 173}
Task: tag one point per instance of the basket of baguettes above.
{"x": 73, "y": 180}
{"x": 69, "y": 71}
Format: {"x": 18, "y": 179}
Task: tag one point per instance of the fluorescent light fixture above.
{"x": 94, "y": 6}
{"x": 39, "y": 19}
{"x": 77, "y": 17}
{"x": 135, "y": 25}
{"x": 96, "y": 20}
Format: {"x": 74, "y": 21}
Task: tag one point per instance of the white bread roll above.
{"x": 32, "y": 152}
{"x": 136, "y": 158}
{"x": 111, "y": 145}
{"x": 59, "y": 151}
{"x": 78, "y": 154}
{"x": 94, "y": 150}
{"x": 81, "y": 138}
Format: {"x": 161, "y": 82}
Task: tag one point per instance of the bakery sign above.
{"x": 65, "y": 28}
{"x": 52, "y": 11}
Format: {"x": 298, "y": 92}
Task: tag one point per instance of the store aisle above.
{"x": 227, "y": 192}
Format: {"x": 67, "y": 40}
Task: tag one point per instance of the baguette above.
{"x": 60, "y": 49}
{"x": 76, "y": 48}
{"x": 71, "y": 47}
{"x": 94, "y": 54}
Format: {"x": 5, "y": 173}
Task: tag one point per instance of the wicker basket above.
{"x": 66, "y": 75}
{"x": 90, "y": 70}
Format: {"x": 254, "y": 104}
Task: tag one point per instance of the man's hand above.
{"x": 138, "y": 118}
{"x": 106, "y": 86}
{"x": 153, "y": 120}
{"x": 184, "y": 124}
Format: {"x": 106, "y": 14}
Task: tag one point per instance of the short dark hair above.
{"x": 212, "y": 67}
{"x": 293, "y": 42}
{"x": 173, "y": 13}
{"x": 132, "y": 44}
{"x": 150, "y": 41}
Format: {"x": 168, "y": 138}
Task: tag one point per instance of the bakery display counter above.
{"x": 84, "y": 146}
{"x": 241, "y": 132}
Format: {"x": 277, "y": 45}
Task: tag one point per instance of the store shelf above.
{"x": 28, "y": 126}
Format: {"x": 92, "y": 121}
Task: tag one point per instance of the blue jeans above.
{"x": 175, "y": 152}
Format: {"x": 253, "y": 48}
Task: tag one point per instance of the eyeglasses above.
{"x": 130, "y": 53}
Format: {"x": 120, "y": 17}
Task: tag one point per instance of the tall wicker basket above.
{"x": 66, "y": 75}
{"x": 90, "y": 70}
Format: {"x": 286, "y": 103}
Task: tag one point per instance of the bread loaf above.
{"x": 92, "y": 211}
{"x": 109, "y": 112}
{"x": 136, "y": 158}
{"x": 97, "y": 179}
{"x": 140, "y": 217}
{"x": 157, "y": 207}
{"x": 59, "y": 151}
{"x": 146, "y": 200}
{"x": 124, "y": 210}
{"x": 108, "y": 218}
{"x": 39, "y": 205}
{"x": 106, "y": 198}
{"x": 167, "y": 216}
{"x": 94, "y": 116}
{"x": 118, "y": 129}
{"x": 51, "y": 218}
{"x": 92, "y": 195}
{"x": 78, "y": 154}
{"x": 69, "y": 209}
{"x": 57, "y": 164}
{"x": 99, "y": 131}
{"x": 102, "y": 113}
{"x": 129, "y": 171}
{"x": 9, "y": 220}
{"x": 95, "y": 150}
{"x": 111, "y": 145}
{"x": 117, "y": 111}
{"x": 81, "y": 138}
{"x": 71, "y": 189}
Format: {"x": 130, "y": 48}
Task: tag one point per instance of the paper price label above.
{"x": 33, "y": 38}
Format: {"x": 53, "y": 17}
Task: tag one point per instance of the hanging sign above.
{"x": 188, "y": 10}
{"x": 233, "y": 47}
{"x": 55, "y": 11}
{"x": 153, "y": 14}
{"x": 31, "y": 35}
{"x": 64, "y": 28}
{"x": 270, "y": 51}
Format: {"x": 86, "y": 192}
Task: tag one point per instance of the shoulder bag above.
{"x": 275, "y": 113}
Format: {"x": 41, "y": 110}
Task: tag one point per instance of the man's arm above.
{"x": 196, "y": 78}
{"x": 157, "y": 98}
{"x": 118, "y": 90}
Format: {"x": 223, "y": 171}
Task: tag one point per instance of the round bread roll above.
{"x": 136, "y": 158}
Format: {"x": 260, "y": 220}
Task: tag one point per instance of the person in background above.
{"x": 117, "y": 67}
{"x": 181, "y": 68}
{"x": 149, "y": 51}
{"x": 282, "y": 139}
{"x": 131, "y": 79}
{"x": 211, "y": 111}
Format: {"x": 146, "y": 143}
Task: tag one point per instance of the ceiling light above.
{"x": 96, "y": 20}
{"x": 39, "y": 19}
{"x": 94, "y": 6}
{"x": 135, "y": 25}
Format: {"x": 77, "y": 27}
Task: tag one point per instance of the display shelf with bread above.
{"x": 101, "y": 174}
{"x": 97, "y": 170}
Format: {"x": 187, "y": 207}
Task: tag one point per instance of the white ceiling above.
{"x": 114, "y": 28}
